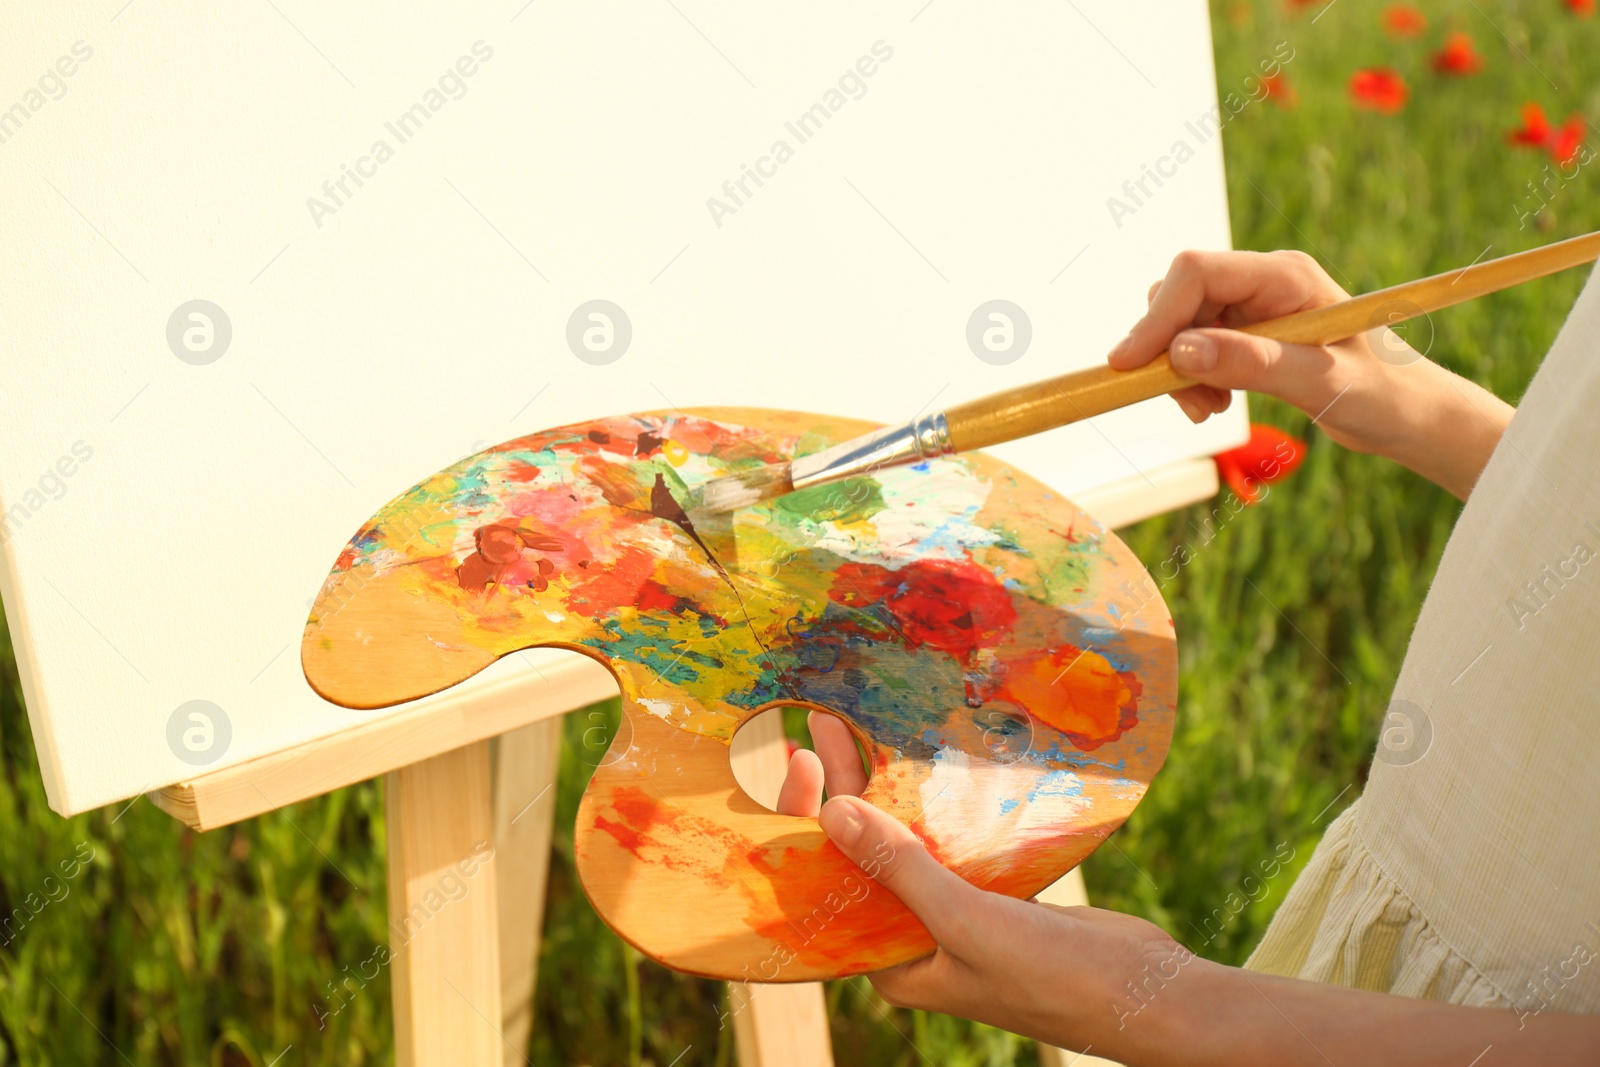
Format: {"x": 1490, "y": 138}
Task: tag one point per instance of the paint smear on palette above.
{"x": 1008, "y": 665}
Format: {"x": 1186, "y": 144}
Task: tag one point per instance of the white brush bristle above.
{"x": 734, "y": 491}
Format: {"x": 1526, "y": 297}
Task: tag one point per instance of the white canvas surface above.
{"x": 171, "y": 506}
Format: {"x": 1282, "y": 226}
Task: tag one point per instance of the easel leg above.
{"x": 444, "y": 957}
{"x": 525, "y": 767}
{"x": 775, "y": 1025}
{"x": 780, "y": 1025}
{"x": 1067, "y": 892}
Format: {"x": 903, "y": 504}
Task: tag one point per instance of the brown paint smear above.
{"x": 500, "y": 546}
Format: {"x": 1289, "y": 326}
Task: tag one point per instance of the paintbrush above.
{"x": 1031, "y": 409}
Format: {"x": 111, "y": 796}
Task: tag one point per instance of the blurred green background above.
{"x": 223, "y": 948}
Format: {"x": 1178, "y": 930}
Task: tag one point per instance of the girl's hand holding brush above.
{"x": 1309, "y": 343}
{"x": 1372, "y": 393}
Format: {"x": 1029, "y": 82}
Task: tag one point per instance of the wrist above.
{"x": 1142, "y": 1007}
{"x": 1446, "y": 426}
{"x": 1181, "y": 1019}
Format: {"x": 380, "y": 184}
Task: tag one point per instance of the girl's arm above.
{"x": 1083, "y": 977}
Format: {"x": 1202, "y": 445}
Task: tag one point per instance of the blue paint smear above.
{"x": 1056, "y": 784}
{"x": 956, "y": 534}
{"x": 1061, "y": 751}
{"x": 1009, "y": 805}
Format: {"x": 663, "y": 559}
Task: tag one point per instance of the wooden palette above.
{"x": 1007, "y": 663}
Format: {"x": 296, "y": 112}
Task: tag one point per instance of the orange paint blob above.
{"x": 1078, "y": 692}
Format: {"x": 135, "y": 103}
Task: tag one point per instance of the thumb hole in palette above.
{"x": 760, "y": 774}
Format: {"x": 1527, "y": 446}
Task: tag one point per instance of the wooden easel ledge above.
{"x": 427, "y": 729}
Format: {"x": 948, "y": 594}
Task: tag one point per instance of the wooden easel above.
{"x": 470, "y": 787}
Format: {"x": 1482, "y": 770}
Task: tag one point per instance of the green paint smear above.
{"x": 851, "y": 500}
{"x": 1064, "y": 566}
{"x": 1008, "y": 539}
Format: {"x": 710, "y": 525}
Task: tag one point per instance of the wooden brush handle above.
{"x": 1039, "y": 406}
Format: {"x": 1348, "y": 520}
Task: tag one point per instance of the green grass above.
{"x": 223, "y": 948}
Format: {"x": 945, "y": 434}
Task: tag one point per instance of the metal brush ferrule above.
{"x": 927, "y": 437}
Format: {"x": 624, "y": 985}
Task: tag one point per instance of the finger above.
{"x": 1200, "y": 402}
{"x": 888, "y": 852}
{"x": 842, "y": 772}
{"x": 1228, "y": 359}
{"x": 1179, "y": 300}
{"x": 923, "y": 984}
{"x": 802, "y": 786}
{"x": 1196, "y": 408}
{"x": 1200, "y": 285}
{"x": 1206, "y": 316}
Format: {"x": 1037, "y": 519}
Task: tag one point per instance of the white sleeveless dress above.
{"x": 1469, "y": 871}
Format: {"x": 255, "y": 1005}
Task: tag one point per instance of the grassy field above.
{"x": 178, "y": 948}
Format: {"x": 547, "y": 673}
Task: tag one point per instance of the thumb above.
{"x": 1229, "y": 359}
{"x": 889, "y": 853}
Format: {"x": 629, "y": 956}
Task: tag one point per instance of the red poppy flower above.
{"x": 1379, "y": 89}
{"x": 1581, "y": 8}
{"x": 1269, "y": 456}
{"x": 1535, "y": 131}
{"x": 1457, "y": 56}
{"x": 1566, "y": 142}
{"x": 1277, "y": 87}
{"x": 1403, "y": 20}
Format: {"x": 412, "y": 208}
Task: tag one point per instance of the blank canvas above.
{"x": 267, "y": 265}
